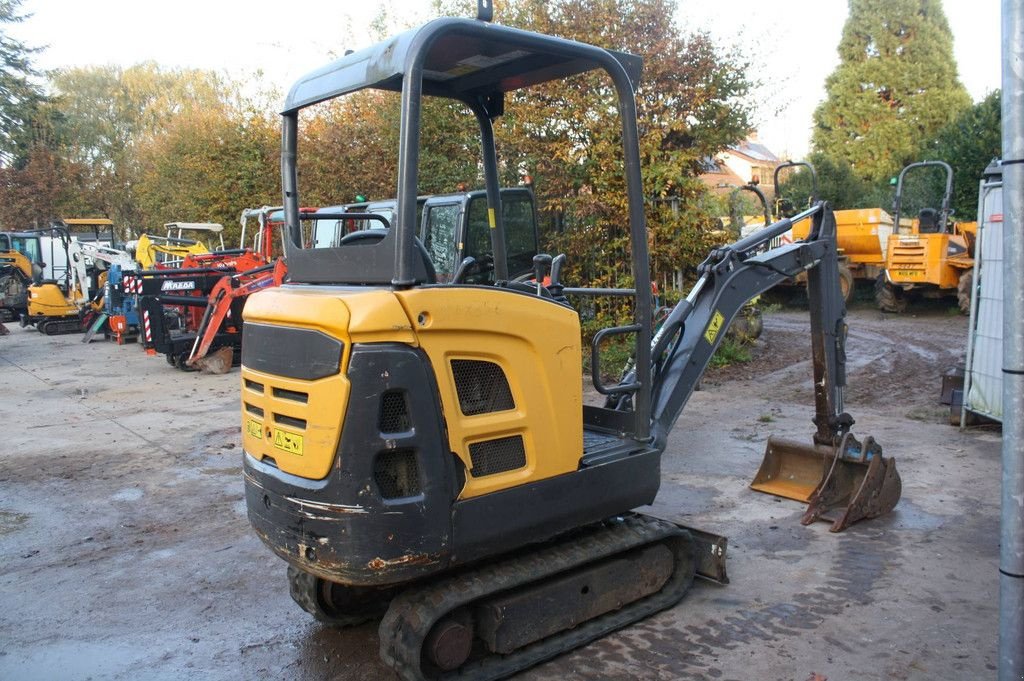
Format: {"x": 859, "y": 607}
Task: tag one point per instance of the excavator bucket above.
{"x": 860, "y": 483}
{"x": 217, "y": 362}
{"x": 840, "y": 484}
{"x": 791, "y": 469}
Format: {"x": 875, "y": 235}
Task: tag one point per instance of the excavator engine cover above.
{"x": 840, "y": 484}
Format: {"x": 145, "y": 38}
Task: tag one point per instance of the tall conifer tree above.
{"x": 895, "y": 86}
{"x": 19, "y": 95}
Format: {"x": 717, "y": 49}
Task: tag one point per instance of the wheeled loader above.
{"x": 420, "y": 452}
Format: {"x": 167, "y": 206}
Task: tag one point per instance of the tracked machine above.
{"x": 64, "y": 303}
{"x": 20, "y": 263}
{"x": 420, "y": 452}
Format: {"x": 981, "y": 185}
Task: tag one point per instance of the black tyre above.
{"x": 845, "y": 282}
{"x": 889, "y": 298}
{"x": 963, "y": 291}
{"x": 338, "y": 605}
{"x": 181, "y": 361}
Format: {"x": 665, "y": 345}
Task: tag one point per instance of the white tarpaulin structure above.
{"x": 983, "y": 377}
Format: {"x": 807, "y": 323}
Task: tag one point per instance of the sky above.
{"x": 791, "y": 43}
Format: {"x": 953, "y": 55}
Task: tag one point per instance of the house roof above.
{"x": 755, "y": 151}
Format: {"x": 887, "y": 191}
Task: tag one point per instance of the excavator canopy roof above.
{"x": 89, "y": 222}
{"x": 215, "y": 227}
{"x": 464, "y": 59}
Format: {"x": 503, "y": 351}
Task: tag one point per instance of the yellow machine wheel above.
{"x": 963, "y": 291}
{"x": 846, "y": 282}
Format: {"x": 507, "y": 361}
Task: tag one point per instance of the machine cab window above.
{"x": 440, "y": 236}
{"x": 518, "y": 216}
{"x": 27, "y": 246}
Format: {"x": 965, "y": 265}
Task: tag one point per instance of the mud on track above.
{"x": 125, "y": 552}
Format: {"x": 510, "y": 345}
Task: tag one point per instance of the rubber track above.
{"x": 63, "y": 326}
{"x": 413, "y": 613}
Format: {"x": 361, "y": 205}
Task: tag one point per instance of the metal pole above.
{"x": 1011, "y": 559}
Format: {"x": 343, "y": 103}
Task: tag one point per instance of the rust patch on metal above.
{"x": 408, "y": 559}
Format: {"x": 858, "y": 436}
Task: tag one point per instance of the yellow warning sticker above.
{"x": 253, "y": 428}
{"x": 288, "y": 442}
{"x": 714, "y": 327}
{"x": 491, "y": 219}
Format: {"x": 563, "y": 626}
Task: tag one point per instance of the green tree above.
{"x": 567, "y": 137}
{"x": 20, "y": 97}
{"x": 895, "y": 86}
{"x": 352, "y": 148}
{"x": 837, "y": 184}
{"x": 207, "y": 167}
{"x": 968, "y": 144}
{"x": 103, "y": 114}
{"x": 42, "y": 189}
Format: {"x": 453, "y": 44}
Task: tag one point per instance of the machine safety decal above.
{"x": 253, "y": 428}
{"x": 714, "y": 327}
{"x": 288, "y": 442}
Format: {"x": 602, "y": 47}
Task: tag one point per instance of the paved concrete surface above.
{"x": 125, "y": 552}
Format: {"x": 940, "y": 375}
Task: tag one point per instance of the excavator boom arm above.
{"x": 731, "y": 276}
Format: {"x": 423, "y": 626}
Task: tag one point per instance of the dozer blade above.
{"x": 217, "y": 362}
{"x": 94, "y": 328}
{"x": 709, "y": 551}
{"x": 860, "y": 483}
{"x": 791, "y": 469}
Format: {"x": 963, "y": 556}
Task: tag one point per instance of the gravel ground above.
{"x": 125, "y": 552}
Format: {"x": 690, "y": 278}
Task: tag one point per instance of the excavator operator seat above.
{"x": 372, "y": 236}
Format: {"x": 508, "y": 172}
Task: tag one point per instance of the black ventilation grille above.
{"x": 497, "y": 456}
{"x": 394, "y": 413}
{"x": 397, "y": 474}
{"x": 482, "y": 387}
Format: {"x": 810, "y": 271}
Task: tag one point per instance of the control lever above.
{"x": 556, "y": 276}
{"x": 541, "y": 264}
{"x": 463, "y": 269}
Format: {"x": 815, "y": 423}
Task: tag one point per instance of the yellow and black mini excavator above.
{"x": 60, "y": 305}
{"x": 20, "y": 264}
{"x": 420, "y": 451}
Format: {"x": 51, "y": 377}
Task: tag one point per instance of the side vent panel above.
{"x": 397, "y": 474}
{"x": 482, "y": 387}
{"x": 497, "y": 456}
{"x": 394, "y": 413}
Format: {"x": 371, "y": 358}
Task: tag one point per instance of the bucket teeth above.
{"x": 860, "y": 483}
